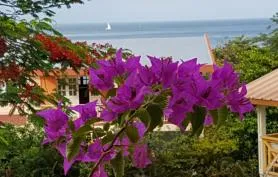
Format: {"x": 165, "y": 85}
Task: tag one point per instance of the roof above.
{"x": 264, "y": 90}
{"x": 178, "y": 48}
{"x": 68, "y": 72}
{"x": 14, "y": 119}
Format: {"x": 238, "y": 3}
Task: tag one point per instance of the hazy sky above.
{"x": 165, "y": 10}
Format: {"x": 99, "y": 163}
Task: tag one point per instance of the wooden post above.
{"x": 261, "y": 132}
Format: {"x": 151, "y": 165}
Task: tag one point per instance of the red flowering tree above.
{"x": 30, "y": 49}
{"x": 27, "y": 46}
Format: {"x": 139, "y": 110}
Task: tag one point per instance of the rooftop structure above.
{"x": 263, "y": 92}
{"x": 184, "y": 48}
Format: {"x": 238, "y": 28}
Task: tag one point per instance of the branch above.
{"x": 106, "y": 151}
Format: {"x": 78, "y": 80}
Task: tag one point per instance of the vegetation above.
{"x": 220, "y": 153}
{"x": 251, "y": 57}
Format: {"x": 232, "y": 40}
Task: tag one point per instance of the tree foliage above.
{"x": 251, "y": 57}
{"x": 16, "y": 8}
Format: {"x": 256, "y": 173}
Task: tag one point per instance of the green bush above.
{"x": 25, "y": 156}
{"x": 221, "y": 153}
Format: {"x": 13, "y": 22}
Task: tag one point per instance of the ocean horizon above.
{"x": 219, "y": 31}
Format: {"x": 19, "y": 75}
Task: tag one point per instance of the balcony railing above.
{"x": 270, "y": 155}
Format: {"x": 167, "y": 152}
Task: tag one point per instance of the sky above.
{"x": 102, "y": 11}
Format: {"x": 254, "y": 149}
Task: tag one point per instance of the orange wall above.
{"x": 49, "y": 83}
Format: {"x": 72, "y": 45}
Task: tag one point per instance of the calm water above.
{"x": 218, "y": 31}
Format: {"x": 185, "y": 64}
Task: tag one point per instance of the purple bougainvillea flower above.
{"x": 55, "y": 124}
{"x": 188, "y": 73}
{"x": 237, "y": 102}
{"x": 119, "y": 64}
{"x": 100, "y": 172}
{"x": 164, "y": 70}
{"x": 179, "y": 105}
{"x": 142, "y": 76}
{"x": 108, "y": 115}
{"x": 114, "y": 66}
{"x": 189, "y": 68}
{"x": 94, "y": 151}
{"x": 146, "y": 76}
{"x": 101, "y": 79}
{"x": 226, "y": 77}
{"x": 132, "y": 64}
{"x": 127, "y": 98}
{"x": 133, "y": 79}
{"x": 86, "y": 111}
{"x": 141, "y": 156}
{"x": 67, "y": 164}
{"x": 140, "y": 128}
{"x": 208, "y": 120}
{"x": 124, "y": 143}
{"x": 207, "y": 93}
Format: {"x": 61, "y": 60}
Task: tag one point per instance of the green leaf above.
{"x": 73, "y": 148}
{"x": 132, "y": 133}
{"x": 118, "y": 164}
{"x": 106, "y": 126}
{"x": 93, "y": 121}
{"x": 36, "y": 120}
{"x": 3, "y": 142}
{"x": 156, "y": 116}
{"x": 107, "y": 138}
{"x": 71, "y": 125}
{"x": 162, "y": 99}
{"x": 98, "y": 132}
{"x": 144, "y": 116}
{"x": 197, "y": 120}
{"x": 83, "y": 131}
{"x": 186, "y": 121}
{"x": 122, "y": 118}
{"x": 214, "y": 115}
{"x": 111, "y": 93}
{"x": 44, "y": 26}
{"x": 222, "y": 115}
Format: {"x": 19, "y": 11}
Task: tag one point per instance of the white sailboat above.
{"x": 108, "y": 27}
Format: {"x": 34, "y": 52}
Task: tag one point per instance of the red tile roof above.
{"x": 14, "y": 119}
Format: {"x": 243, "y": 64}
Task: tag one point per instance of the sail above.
{"x": 108, "y": 27}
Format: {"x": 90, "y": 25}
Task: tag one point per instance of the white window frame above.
{"x": 62, "y": 87}
{"x": 72, "y": 86}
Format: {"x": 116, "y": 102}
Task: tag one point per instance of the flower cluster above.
{"x": 3, "y": 47}
{"x": 57, "y": 51}
{"x": 10, "y": 72}
{"x": 28, "y": 92}
{"x": 58, "y": 129}
{"x": 145, "y": 95}
{"x": 62, "y": 49}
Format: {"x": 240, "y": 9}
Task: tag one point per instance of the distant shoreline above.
{"x": 167, "y": 21}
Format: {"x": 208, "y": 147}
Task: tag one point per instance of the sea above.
{"x": 219, "y": 31}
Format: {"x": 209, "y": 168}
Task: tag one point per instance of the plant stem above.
{"x": 106, "y": 151}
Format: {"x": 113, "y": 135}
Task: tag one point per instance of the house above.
{"x": 77, "y": 87}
